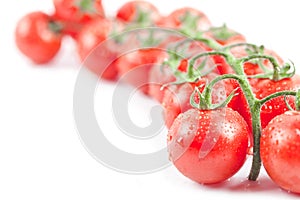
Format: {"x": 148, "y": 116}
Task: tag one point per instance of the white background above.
{"x": 41, "y": 156}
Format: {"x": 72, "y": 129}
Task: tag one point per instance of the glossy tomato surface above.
{"x": 37, "y": 38}
{"x": 280, "y": 147}
{"x": 208, "y": 146}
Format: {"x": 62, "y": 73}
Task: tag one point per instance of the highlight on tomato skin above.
{"x": 280, "y": 147}
{"x": 208, "y": 146}
{"x": 38, "y": 37}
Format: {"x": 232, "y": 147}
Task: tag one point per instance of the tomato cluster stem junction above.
{"x": 255, "y": 104}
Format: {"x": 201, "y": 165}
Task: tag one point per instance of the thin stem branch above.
{"x": 277, "y": 94}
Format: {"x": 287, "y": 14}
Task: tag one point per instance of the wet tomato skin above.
{"x": 280, "y": 147}
{"x": 205, "y": 151}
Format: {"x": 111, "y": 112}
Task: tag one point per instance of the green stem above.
{"x": 55, "y": 27}
{"x": 182, "y": 42}
{"x": 276, "y": 75}
{"x": 86, "y": 6}
{"x": 298, "y": 100}
{"x": 256, "y": 126}
{"x": 240, "y": 76}
{"x": 277, "y": 94}
{"x": 193, "y": 60}
{"x": 208, "y": 89}
{"x": 210, "y": 43}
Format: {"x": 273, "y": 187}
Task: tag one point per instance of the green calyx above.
{"x": 222, "y": 33}
{"x": 86, "y": 6}
{"x": 149, "y": 39}
{"x": 189, "y": 24}
{"x": 55, "y": 27}
{"x": 143, "y": 18}
{"x": 202, "y": 101}
{"x": 278, "y": 73}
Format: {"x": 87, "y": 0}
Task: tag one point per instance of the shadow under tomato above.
{"x": 237, "y": 185}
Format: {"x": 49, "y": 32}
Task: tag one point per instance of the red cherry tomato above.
{"x": 37, "y": 36}
{"x": 141, "y": 12}
{"x": 78, "y": 11}
{"x": 176, "y": 100}
{"x": 276, "y": 106}
{"x": 225, "y": 36}
{"x": 208, "y": 146}
{"x": 158, "y": 76}
{"x": 134, "y": 67}
{"x": 96, "y": 50}
{"x": 280, "y": 147}
{"x": 73, "y": 14}
{"x": 188, "y": 20}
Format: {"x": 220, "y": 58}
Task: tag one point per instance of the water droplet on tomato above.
{"x": 250, "y": 151}
{"x": 180, "y": 141}
{"x": 192, "y": 127}
{"x": 297, "y": 131}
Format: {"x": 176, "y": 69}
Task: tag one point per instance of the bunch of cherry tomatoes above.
{"x": 224, "y": 99}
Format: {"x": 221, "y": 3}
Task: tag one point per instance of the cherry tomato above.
{"x": 78, "y": 11}
{"x": 225, "y": 36}
{"x": 276, "y": 106}
{"x": 134, "y": 67}
{"x": 73, "y": 14}
{"x": 141, "y": 12}
{"x": 97, "y": 52}
{"x": 280, "y": 147}
{"x": 38, "y": 37}
{"x": 208, "y": 146}
{"x": 158, "y": 76}
{"x": 187, "y": 20}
